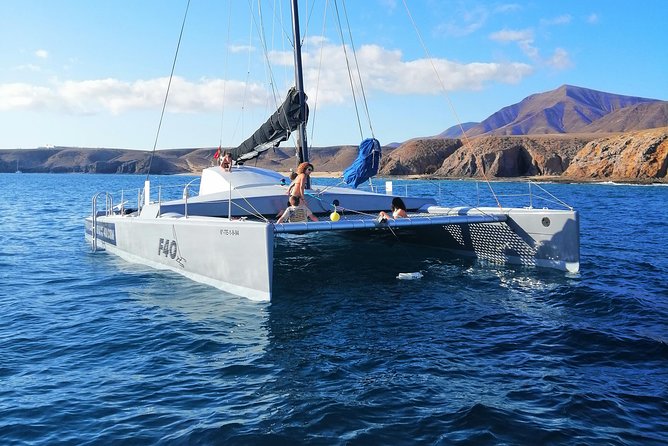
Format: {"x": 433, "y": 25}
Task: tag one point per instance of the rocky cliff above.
{"x": 626, "y": 157}
{"x": 635, "y": 156}
{"x": 631, "y": 156}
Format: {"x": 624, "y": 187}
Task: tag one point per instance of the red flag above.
{"x": 217, "y": 154}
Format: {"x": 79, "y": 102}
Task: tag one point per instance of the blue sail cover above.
{"x": 365, "y": 165}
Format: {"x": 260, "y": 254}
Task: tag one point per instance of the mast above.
{"x": 302, "y": 146}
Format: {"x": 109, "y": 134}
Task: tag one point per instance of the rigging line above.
{"x": 326, "y": 188}
{"x": 169, "y": 84}
{"x": 227, "y": 54}
{"x": 352, "y": 84}
{"x": 277, "y": 20}
{"x": 286, "y": 34}
{"x": 467, "y": 142}
{"x": 326, "y": 207}
{"x": 272, "y": 77}
{"x": 253, "y": 209}
{"x": 558, "y": 200}
{"x": 309, "y": 14}
{"x": 317, "y": 83}
{"x": 250, "y": 45}
{"x": 263, "y": 41}
{"x": 357, "y": 66}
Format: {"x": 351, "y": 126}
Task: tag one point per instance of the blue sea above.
{"x": 94, "y": 350}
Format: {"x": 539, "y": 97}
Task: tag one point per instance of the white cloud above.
{"x": 560, "y": 60}
{"x": 241, "y": 48}
{"x": 115, "y": 96}
{"x": 524, "y": 39}
{"x": 508, "y": 7}
{"x": 468, "y": 22}
{"x": 509, "y": 35}
{"x": 42, "y": 54}
{"x": 386, "y": 71}
{"x": 564, "y": 19}
{"x": 592, "y": 18}
{"x": 383, "y": 71}
{"x": 388, "y": 5}
{"x": 19, "y": 96}
{"x": 28, "y": 67}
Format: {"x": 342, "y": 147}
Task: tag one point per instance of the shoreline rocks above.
{"x": 639, "y": 156}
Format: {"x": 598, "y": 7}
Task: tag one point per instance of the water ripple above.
{"x": 99, "y": 351}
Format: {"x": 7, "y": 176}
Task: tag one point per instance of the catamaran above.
{"x": 231, "y": 220}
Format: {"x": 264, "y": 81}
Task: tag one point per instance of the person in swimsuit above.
{"x": 398, "y": 210}
{"x": 298, "y": 185}
{"x": 226, "y": 162}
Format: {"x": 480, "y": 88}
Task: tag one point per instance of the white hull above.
{"x": 205, "y": 249}
{"x": 238, "y": 255}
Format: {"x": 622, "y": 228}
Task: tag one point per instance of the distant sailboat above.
{"x": 17, "y": 167}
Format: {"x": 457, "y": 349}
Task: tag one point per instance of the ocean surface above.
{"x": 94, "y": 350}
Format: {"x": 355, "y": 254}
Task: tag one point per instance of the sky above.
{"x": 94, "y": 73}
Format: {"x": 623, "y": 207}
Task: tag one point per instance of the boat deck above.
{"x": 371, "y": 222}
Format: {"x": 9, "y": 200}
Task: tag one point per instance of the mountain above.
{"x": 646, "y": 115}
{"x": 456, "y": 131}
{"x": 571, "y": 132}
{"x": 570, "y": 109}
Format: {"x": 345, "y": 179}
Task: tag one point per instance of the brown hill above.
{"x": 494, "y": 156}
{"x": 570, "y": 109}
{"x": 646, "y": 115}
{"x": 419, "y": 156}
{"x": 174, "y": 161}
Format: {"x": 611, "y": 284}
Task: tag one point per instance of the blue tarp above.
{"x": 365, "y": 165}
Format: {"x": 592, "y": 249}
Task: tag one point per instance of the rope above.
{"x": 350, "y": 77}
{"x": 169, "y": 84}
{"x": 317, "y": 83}
{"x": 359, "y": 73}
{"x": 326, "y": 207}
{"x": 253, "y": 210}
{"x": 227, "y": 53}
{"x": 272, "y": 80}
{"x": 467, "y": 142}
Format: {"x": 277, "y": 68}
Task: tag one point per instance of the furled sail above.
{"x": 365, "y": 165}
{"x": 276, "y": 130}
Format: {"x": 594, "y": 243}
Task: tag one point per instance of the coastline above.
{"x": 535, "y": 179}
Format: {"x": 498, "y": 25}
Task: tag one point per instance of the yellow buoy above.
{"x": 334, "y": 216}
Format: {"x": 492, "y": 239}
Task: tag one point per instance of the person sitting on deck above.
{"x": 296, "y": 212}
{"x": 398, "y": 210}
{"x": 226, "y": 162}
